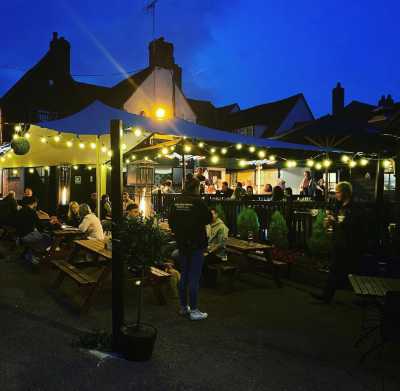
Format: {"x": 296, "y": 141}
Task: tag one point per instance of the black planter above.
{"x": 137, "y": 343}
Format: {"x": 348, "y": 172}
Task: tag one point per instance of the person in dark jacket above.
{"x": 188, "y": 218}
{"x": 225, "y": 191}
{"x": 347, "y": 224}
{"x": 27, "y": 224}
{"x": 8, "y": 209}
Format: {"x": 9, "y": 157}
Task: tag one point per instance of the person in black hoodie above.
{"x": 188, "y": 218}
{"x": 8, "y": 209}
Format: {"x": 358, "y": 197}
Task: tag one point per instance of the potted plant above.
{"x": 319, "y": 243}
{"x": 142, "y": 242}
{"x": 247, "y": 223}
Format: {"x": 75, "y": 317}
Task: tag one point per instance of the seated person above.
{"x": 90, "y": 224}
{"x": 225, "y": 191}
{"x": 249, "y": 190}
{"x": 28, "y": 223}
{"x": 132, "y": 211}
{"x": 73, "y": 218}
{"x": 8, "y": 209}
{"x": 217, "y": 234}
{"x": 28, "y": 193}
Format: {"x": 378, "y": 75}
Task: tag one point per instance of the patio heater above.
{"x": 64, "y": 184}
{"x": 141, "y": 176}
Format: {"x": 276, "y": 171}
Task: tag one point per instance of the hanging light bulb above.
{"x": 310, "y": 163}
{"x": 15, "y": 172}
{"x": 172, "y": 148}
{"x": 89, "y": 168}
{"x": 239, "y": 146}
{"x": 352, "y": 163}
{"x": 15, "y": 136}
{"x": 47, "y": 168}
{"x": 261, "y": 154}
{"x": 252, "y": 149}
{"x": 123, "y": 147}
{"x": 165, "y": 151}
{"x": 187, "y": 148}
{"x": 17, "y": 128}
{"x": 43, "y": 140}
{"x": 27, "y": 136}
{"x": 214, "y": 159}
{"x": 212, "y": 150}
{"x": 103, "y": 149}
{"x": 93, "y": 145}
{"x": 133, "y": 157}
{"x": 127, "y": 161}
{"x": 69, "y": 144}
{"x": 75, "y": 168}
{"x": 363, "y": 162}
{"x": 31, "y": 171}
{"x": 224, "y": 151}
{"x": 327, "y": 163}
{"x": 387, "y": 163}
{"x": 318, "y": 166}
{"x": 242, "y": 163}
{"x": 345, "y": 159}
{"x": 146, "y": 158}
{"x": 201, "y": 144}
{"x": 82, "y": 145}
{"x": 291, "y": 164}
{"x": 57, "y": 138}
{"x": 272, "y": 158}
{"x": 137, "y": 132}
{"x": 109, "y": 153}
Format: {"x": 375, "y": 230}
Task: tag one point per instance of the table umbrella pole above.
{"x": 98, "y": 175}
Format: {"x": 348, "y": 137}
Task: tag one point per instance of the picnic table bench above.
{"x": 373, "y": 286}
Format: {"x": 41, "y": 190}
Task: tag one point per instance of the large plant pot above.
{"x": 137, "y": 343}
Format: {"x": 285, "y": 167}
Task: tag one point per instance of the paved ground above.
{"x": 257, "y": 338}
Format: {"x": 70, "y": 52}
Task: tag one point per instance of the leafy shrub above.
{"x": 319, "y": 241}
{"x": 247, "y": 221}
{"x": 278, "y": 231}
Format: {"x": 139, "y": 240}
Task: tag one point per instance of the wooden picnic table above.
{"x": 249, "y": 248}
{"x": 373, "y": 286}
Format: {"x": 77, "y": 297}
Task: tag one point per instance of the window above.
{"x": 246, "y": 131}
{"x": 389, "y": 181}
{"x": 43, "y": 115}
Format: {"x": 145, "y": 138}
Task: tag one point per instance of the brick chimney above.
{"x": 161, "y": 54}
{"x": 60, "y": 55}
{"x": 337, "y": 99}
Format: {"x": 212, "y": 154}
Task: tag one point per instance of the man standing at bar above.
{"x": 188, "y": 219}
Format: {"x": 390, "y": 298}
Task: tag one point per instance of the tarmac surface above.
{"x": 258, "y": 337}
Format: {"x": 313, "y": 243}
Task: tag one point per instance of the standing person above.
{"x": 320, "y": 190}
{"x": 305, "y": 184}
{"x": 199, "y": 175}
{"x": 225, "y": 191}
{"x": 281, "y": 183}
{"x": 347, "y": 238}
{"x": 126, "y": 200}
{"x": 73, "y": 217}
{"x": 90, "y": 224}
{"x": 105, "y": 207}
{"x": 188, "y": 218}
{"x": 93, "y": 202}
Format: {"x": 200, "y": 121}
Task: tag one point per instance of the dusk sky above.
{"x": 249, "y": 52}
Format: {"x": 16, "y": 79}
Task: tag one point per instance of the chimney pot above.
{"x": 337, "y": 99}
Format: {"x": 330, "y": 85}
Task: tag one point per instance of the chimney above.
{"x": 161, "y": 54}
{"x": 337, "y": 99}
{"x": 60, "y": 55}
{"x": 382, "y": 101}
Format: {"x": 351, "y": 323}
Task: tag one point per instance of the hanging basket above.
{"x": 20, "y": 146}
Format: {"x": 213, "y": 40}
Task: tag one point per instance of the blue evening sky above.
{"x": 244, "y": 51}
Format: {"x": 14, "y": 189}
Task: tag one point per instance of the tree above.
{"x": 319, "y": 242}
{"x": 247, "y": 221}
{"x": 278, "y": 231}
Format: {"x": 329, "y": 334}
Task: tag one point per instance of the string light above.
{"x": 69, "y": 144}
{"x": 81, "y": 145}
{"x": 103, "y": 149}
{"x": 123, "y": 147}
{"x": 127, "y": 161}
{"x": 212, "y": 150}
{"x": 261, "y": 154}
{"x": 47, "y": 168}
{"x": 146, "y": 158}
{"x": 327, "y": 163}
{"x": 137, "y": 132}
{"x": 16, "y": 136}
{"x": 242, "y": 163}
{"x": 310, "y": 163}
{"x": 165, "y": 151}
{"x": 31, "y": 171}
{"x": 352, "y": 163}
{"x": 272, "y": 158}
{"x": 291, "y": 164}
{"x": 214, "y": 159}
{"x": 57, "y": 138}
{"x": 75, "y": 168}
{"x": 345, "y": 159}
{"x": 133, "y": 157}
{"x": 109, "y": 153}
{"x": 93, "y": 145}
{"x": 172, "y": 148}
{"x": 3, "y": 159}
{"x": 201, "y": 144}
{"x": 363, "y": 162}
{"x": 239, "y": 146}
{"x": 43, "y": 140}
{"x": 27, "y": 136}
{"x": 8, "y": 155}
{"x": 252, "y": 149}
{"x": 187, "y": 148}
{"x": 318, "y": 166}
{"x": 89, "y": 168}
{"x": 15, "y": 172}
{"x": 387, "y": 163}
{"x": 224, "y": 151}
{"x": 17, "y": 128}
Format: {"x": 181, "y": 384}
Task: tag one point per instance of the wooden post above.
{"x": 117, "y": 263}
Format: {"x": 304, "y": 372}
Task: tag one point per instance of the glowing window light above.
{"x": 327, "y": 163}
{"x": 69, "y": 144}
{"x": 242, "y": 163}
{"x": 43, "y": 140}
{"x": 187, "y": 148}
{"x": 261, "y": 154}
{"x": 103, "y": 149}
{"x": 93, "y": 145}
{"x": 352, "y": 163}
{"x": 137, "y": 132}
{"x": 239, "y": 146}
{"x": 252, "y": 149}
{"x": 318, "y": 166}
{"x": 363, "y": 162}
{"x": 123, "y": 147}
{"x": 27, "y": 136}
{"x": 201, "y": 144}
{"x": 213, "y": 150}
{"x": 160, "y": 113}
{"x": 81, "y": 145}
{"x": 57, "y": 138}
{"x": 215, "y": 159}
{"x": 17, "y": 128}
{"x": 31, "y": 171}
{"x": 345, "y": 159}
{"x": 310, "y": 163}
{"x": 224, "y": 151}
